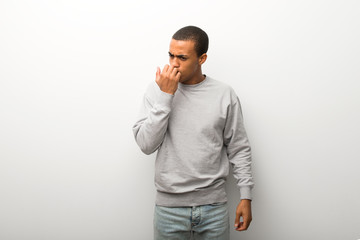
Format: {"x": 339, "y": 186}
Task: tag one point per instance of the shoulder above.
{"x": 223, "y": 88}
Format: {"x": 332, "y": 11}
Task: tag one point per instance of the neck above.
{"x": 197, "y": 78}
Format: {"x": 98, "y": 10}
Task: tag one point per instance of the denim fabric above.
{"x": 208, "y": 222}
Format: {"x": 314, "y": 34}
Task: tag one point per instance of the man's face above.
{"x": 182, "y": 55}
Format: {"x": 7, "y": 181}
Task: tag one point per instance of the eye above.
{"x": 182, "y": 58}
{"x": 171, "y": 55}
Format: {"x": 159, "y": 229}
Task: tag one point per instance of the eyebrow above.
{"x": 178, "y": 56}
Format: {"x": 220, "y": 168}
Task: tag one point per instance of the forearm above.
{"x": 242, "y": 172}
{"x": 149, "y": 133}
{"x": 150, "y": 129}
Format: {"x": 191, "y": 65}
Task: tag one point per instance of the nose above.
{"x": 174, "y": 62}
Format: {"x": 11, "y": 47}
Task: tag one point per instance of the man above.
{"x": 195, "y": 124}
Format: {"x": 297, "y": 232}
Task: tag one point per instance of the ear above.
{"x": 202, "y": 58}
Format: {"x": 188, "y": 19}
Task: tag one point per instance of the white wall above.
{"x": 72, "y": 75}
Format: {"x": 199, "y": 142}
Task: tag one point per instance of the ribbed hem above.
{"x": 197, "y": 198}
{"x": 245, "y": 193}
{"x": 164, "y": 100}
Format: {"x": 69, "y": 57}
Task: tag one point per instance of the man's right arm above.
{"x": 150, "y": 129}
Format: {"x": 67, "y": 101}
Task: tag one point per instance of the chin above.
{"x": 182, "y": 80}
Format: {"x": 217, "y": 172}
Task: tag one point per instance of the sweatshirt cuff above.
{"x": 164, "y": 100}
{"x": 245, "y": 193}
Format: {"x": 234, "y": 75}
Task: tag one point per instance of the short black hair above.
{"x": 195, "y": 34}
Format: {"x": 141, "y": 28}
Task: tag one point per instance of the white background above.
{"x": 72, "y": 75}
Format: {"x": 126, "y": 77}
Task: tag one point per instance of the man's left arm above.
{"x": 239, "y": 154}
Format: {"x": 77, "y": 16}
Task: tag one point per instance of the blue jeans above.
{"x": 208, "y": 222}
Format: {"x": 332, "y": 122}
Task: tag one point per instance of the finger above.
{"x": 244, "y": 225}
{"x": 240, "y": 227}
{"x": 177, "y": 76}
{"x": 166, "y": 68}
{"x": 158, "y": 71}
{"x": 171, "y": 70}
{"x": 174, "y": 71}
{"x": 237, "y": 220}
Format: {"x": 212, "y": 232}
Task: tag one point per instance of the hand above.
{"x": 243, "y": 210}
{"x": 168, "y": 79}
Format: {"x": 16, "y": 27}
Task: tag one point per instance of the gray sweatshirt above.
{"x": 196, "y": 132}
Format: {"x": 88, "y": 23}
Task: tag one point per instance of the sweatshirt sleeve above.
{"x": 238, "y": 148}
{"x": 150, "y": 128}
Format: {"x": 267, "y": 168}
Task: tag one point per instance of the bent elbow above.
{"x": 147, "y": 150}
{"x": 145, "y": 143}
